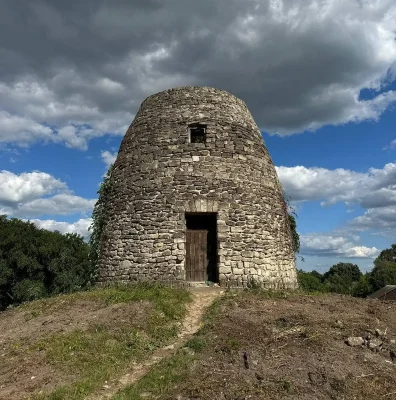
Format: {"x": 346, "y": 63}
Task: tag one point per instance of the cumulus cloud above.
{"x": 375, "y": 188}
{"x": 27, "y": 186}
{"x": 68, "y": 120}
{"x": 22, "y": 130}
{"x": 333, "y": 245}
{"x": 69, "y": 135}
{"x": 298, "y": 65}
{"x": 374, "y": 191}
{"x": 380, "y": 220}
{"x": 37, "y": 193}
{"x": 60, "y": 204}
{"x": 80, "y": 227}
{"x": 108, "y": 158}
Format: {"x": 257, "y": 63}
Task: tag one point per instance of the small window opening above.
{"x": 197, "y": 133}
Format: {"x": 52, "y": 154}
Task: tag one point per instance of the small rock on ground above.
{"x": 355, "y": 341}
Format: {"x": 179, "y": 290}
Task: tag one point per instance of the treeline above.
{"x": 37, "y": 263}
{"x": 346, "y": 278}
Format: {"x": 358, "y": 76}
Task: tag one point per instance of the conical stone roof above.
{"x": 196, "y": 150}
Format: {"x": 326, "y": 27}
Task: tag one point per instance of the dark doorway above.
{"x": 201, "y": 247}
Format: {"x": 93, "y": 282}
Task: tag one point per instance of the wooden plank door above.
{"x": 196, "y": 255}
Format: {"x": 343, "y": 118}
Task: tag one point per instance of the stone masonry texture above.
{"x": 159, "y": 176}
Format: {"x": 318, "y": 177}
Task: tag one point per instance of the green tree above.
{"x": 317, "y": 274}
{"x": 384, "y": 271}
{"x": 35, "y": 262}
{"x": 387, "y": 254}
{"x": 342, "y": 278}
{"x": 348, "y": 271}
{"x": 363, "y": 287}
{"x": 309, "y": 281}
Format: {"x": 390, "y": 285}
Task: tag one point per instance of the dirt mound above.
{"x": 250, "y": 345}
{"x": 69, "y": 345}
{"x": 23, "y": 367}
{"x": 256, "y": 348}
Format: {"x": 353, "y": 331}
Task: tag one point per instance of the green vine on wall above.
{"x": 295, "y": 235}
{"x": 99, "y": 218}
{"x": 292, "y": 216}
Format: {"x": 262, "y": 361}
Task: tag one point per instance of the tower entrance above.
{"x": 201, "y": 247}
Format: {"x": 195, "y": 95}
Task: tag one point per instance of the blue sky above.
{"x": 318, "y": 77}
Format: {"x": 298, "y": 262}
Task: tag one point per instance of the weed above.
{"x": 32, "y": 314}
{"x": 234, "y": 343}
{"x": 196, "y": 343}
{"x": 286, "y": 385}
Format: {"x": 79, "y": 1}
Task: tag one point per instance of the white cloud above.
{"x": 60, "y": 204}
{"x": 380, "y": 220}
{"x": 70, "y": 121}
{"x": 36, "y": 193}
{"x": 375, "y": 188}
{"x": 108, "y": 157}
{"x": 80, "y": 227}
{"x": 27, "y": 186}
{"x": 68, "y": 134}
{"x": 374, "y": 191}
{"x": 335, "y": 245}
{"x": 22, "y": 130}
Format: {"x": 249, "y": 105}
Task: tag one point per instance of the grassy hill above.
{"x": 251, "y": 345}
{"x": 68, "y": 346}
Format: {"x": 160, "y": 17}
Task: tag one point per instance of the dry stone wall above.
{"x": 159, "y": 176}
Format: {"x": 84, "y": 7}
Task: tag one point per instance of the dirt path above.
{"x": 202, "y": 298}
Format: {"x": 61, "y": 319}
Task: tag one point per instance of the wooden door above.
{"x": 196, "y": 255}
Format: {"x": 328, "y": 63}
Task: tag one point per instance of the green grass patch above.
{"x": 285, "y": 385}
{"x": 160, "y": 380}
{"x": 233, "y": 344}
{"x": 94, "y": 356}
{"x": 211, "y": 314}
{"x": 196, "y": 343}
{"x": 167, "y": 300}
{"x": 103, "y": 350}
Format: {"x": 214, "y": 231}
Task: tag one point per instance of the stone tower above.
{"x": 195, "y": 197}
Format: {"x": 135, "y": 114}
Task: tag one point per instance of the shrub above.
{"x": 35, "y": 262}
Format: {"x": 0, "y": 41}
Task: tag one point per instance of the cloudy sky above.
{"x": 319, "y": 77}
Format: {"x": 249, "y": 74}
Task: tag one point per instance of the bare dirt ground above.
{"x": 271, "y": 348}
{"x": 202, "y": 298}
{"x": 23, "y": 368}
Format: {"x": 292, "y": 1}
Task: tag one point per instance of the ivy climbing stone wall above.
{"x": 159, "y": 175}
